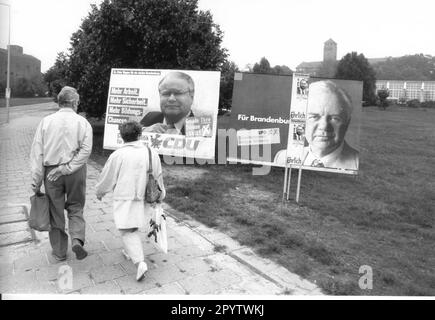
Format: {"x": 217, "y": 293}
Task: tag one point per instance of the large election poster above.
{"x": 332, "y": 130}
{"x": 177, "y": 109}
{"x": 306, "y": 122}
{"x": 259, "y": 117}
{"x": 324, "y": 136}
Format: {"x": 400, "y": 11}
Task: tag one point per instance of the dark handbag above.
{"x": 152, "y": 190}
{"x": 39, "y": 217}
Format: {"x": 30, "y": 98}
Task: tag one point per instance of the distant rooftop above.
{"x": 313, "y": 64}
{"x": 330, "y": 41}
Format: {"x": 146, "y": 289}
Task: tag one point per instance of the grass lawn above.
{"x": 383, "y": 218}
{"x": 24, "y": 101}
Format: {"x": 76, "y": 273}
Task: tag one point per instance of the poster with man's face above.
{"x": 331, "y": 115}
{"x": 176, "y": 108}
{"x": 332, "y": 126}
{"x": 307, "y": 121}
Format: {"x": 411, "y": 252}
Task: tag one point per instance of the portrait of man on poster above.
{"x": 329, "y": 112}
{"x": 176, "y": 91}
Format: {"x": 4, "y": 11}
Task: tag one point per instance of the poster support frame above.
{"x": 304, "y": 157}
{"x": 289, "y": 182}
{"x": 298, "y": 188}
{"x": 284, "y": 194}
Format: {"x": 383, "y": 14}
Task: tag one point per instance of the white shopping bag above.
{"x": 157, "y": 228}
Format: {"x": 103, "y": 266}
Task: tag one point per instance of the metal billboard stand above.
{"x": 298, "y": 188}
{"x": 284, "y": 194}
{"x": 298, "y": 107}
{"x": 299, "y": 185}
{"x": 287, "y": 182}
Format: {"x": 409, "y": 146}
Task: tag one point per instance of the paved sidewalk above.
{"x": 200, "y": 261}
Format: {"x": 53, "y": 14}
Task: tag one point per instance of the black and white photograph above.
{"x": 192, "y": 150}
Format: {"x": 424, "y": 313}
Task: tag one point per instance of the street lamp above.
{"x": 8, "y": 89}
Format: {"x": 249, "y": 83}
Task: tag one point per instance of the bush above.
{"x": 27, "y": 88}
{"x": 402, "y": 100}
{"x": 428, "y": 104}
{"x": 382, "y": 104}
{"x": 392, "y": 101}
{"x": 414, "y": 103}
{"x": 23, "y": 88}
{"x": 383, "y": 94}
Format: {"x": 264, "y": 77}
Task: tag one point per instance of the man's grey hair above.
{"x": 342, "y": 95}
{"x": 67, "y": 96}
{"x": 181, "y": 75}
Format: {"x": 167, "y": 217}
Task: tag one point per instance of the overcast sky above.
{"x": 286, "y": 32}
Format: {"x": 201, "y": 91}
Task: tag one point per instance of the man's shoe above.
{"x": 142, "y": 268}
{"x": 57, "y": 258}
{"x": 78, "y": 249}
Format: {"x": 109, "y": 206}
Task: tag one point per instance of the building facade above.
{"x": 325, "y": 68}
{"x": 403, "y": 90}
{"x": 21, "y": 65}
{"x": 328, "y": 66}
{"x": 330, "y": 50}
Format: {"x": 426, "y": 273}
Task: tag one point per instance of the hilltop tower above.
{"x": 330, "y": 50}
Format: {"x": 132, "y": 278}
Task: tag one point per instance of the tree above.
{"x": 154, "y": 34}
{"x": 284, "y": 70}
{"x": 383, "y": 95}
{"x": 56, "y": 76}
{"x": 22, "y": 87}
{"x": 227, "y": 82}
{"x": 354, "y": 66}
{"x": 264, "y": 67}
{"x": 411, "y": 67}
{"x": 28, "y": 87}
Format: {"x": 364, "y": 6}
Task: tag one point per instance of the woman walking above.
{"x": 125, "y": 173}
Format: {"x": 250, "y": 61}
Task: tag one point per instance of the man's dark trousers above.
{"x": 67, "y": 192}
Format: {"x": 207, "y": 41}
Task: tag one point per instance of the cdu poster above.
{"x": 176, "y": 108}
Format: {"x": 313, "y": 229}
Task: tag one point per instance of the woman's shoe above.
{"x": 142, "y": 268}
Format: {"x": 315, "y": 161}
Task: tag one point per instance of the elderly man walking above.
{"x": 60, "y": 150}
